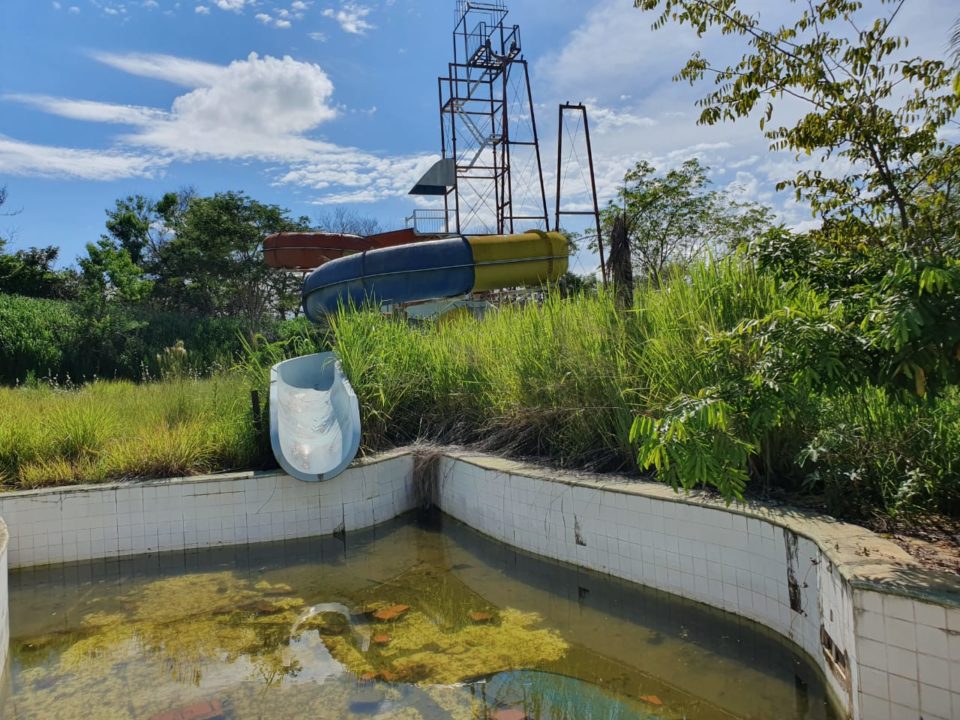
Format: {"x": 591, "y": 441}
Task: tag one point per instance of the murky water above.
{"x": 409, "y": 620}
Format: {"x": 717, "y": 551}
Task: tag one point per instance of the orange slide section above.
{"x": 309, "y": 250}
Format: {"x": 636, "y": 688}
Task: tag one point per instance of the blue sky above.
{"x": 313, "y": 104}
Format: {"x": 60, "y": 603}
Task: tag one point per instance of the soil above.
{"x": 933, "y": 541}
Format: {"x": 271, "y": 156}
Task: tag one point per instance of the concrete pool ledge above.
{"x": 884, "y": 631}
{"x": 4, "y": 609}
{"x": 867, "y": 560}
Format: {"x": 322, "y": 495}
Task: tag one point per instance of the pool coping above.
{"x": 4, "y": 609}
{"x": 865, "y": 559}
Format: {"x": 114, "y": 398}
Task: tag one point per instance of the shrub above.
{"x": 53, "y": 339}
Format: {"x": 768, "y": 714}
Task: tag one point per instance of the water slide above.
{"x": 314, "y": 413}
{"x": 310, "y": 250}
{"x": 314, "y": 417}
{"x": 435, "y": 269}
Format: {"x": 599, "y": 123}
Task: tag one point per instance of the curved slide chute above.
{"x": 310, "y": 250}
{"x": 435, "y": 269}
{"x": 314, "y": 417}
{"x": 314, "y": 413}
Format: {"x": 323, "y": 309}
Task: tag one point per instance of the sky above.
{"x": 319, "y": 104}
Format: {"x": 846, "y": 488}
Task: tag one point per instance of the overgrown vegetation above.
{"x": 824, "y": 363}
{"x": 723, "y": 377}
{"x": 50, "y": 339}
{"x": 119, "y": 430}
{"x": 889, "y": 246}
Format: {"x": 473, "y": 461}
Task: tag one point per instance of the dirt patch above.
{"x": 933, "y": 541}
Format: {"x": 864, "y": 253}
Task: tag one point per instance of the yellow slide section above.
{"x": 505, "y": 261}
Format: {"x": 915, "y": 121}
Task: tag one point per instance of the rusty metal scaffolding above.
{"x": 575, "y": 162}
{"x": 489, "y": 128}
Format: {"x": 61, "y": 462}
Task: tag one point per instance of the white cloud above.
{"x": 362, "y": 177}
{"x": 260, "y": 108}
{"x": 56, "y": 5}
{"x": 172, "y": 69}
{"x": 352, "y": 18}
{"x": 19, "y": 158}
{"x": 231, "y": 5}
{"x": 89, "y": 110}
{"x": 318, "y": 36}
{"x": 74, "y": 10}
{"x": 273, "y": 22}
{"x": 605, "y": 119}
{"x": 201, "y": 10}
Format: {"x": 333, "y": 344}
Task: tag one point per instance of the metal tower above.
{"x": 575, "y": 162}
{"x": 491, "y": 177}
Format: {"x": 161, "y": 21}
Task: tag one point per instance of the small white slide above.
{"x": 314, "y": 417}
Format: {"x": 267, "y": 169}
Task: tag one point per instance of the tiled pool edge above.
{"x": 894, "y": 626}
{"x": 890, "y": 628}
{"x": 89, "y": 522}
{"x": 4, "y": 610}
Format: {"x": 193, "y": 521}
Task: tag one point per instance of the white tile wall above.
{"x": 131, "y": 519}
{"x": 909, "y": 656}
{"x": 902, "y": 655}
{"x": 909, "y": 652}
{"x": 4, "y": 616}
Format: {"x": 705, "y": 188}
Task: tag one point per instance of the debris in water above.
{"x": 390, "y": 613}
{"x": 481, "y": 617}
{"x": 511, "y": 714}
{"x": 203, "y": 710}
{"x": 652, "y": 700}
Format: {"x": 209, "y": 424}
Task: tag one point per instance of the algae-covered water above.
{"x": 416, "y": 619}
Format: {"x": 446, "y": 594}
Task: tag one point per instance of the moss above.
{"x": 437, "y": 641}
{"x": 169, "y": 642}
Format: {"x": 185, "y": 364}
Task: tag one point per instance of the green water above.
{"x": 413, "y": 619}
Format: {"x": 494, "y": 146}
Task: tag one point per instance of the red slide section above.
{"x": 306, "y": 251}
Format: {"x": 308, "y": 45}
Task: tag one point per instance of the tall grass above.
{"x": 874, "y": 449}
{"x": 766, "y": 367}
{"x": 113, "y": 430}
{"x": 722, "y": 377}
{"x": 564, "y": 378}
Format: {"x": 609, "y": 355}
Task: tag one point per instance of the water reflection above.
{"x": 408, "y": 620}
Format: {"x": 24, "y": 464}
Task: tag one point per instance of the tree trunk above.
{"x": 621, "y": 268}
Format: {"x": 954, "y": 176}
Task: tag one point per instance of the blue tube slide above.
{"x": 434, "y": 269}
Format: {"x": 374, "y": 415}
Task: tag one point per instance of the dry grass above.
{"x": 119, "y": 430}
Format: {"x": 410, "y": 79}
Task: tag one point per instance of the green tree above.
{"x": 866, "y": 104}
{"x": 130, "y": 224}
{"x": 212, "y": 263}
{"x": 675, "y": 217}
{"x": 890, "y": 239}
{"x": 31, "y": 272}
{"x": 108, "y": 274}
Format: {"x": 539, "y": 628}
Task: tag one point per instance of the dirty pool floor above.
{"x": 421, "y": 618}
